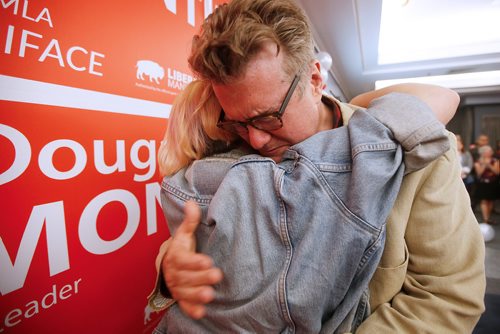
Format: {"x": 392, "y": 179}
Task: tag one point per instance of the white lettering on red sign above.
{"x": 52, "y": 215}
{"x": 13, "y": 274}
{"x": 52, "y": 49}
{"x": 171, "y": 6}
{"x": 87, "y": 229}
{"x": 31, "y": 41}
{"x": 22, "y": 155}
{"x": 45, "y": 158}
{"x": 14, "y": 317}
{"x": 43, "y": 15}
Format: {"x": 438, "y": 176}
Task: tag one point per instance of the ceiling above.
{"x": 349, "y": 30}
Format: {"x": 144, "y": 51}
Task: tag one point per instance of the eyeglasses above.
{"x": 267, "y": 122}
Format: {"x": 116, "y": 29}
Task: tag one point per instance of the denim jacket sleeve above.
{"x": 193, "y": 183}
{"x": 414, "y": 126}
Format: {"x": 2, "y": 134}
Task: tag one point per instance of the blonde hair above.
{"x": 192, "y": 131}
{"x": 235, "y": 32}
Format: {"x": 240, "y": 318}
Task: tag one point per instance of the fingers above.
{"x": 195, "y": 311}
{"x": 195, "y": 295}
{"x": 181, "y": 251}
{"x": 192, "y": 217}
{"x": 180, "y": 278}
{"x": 182, "y": 259}
{"x": 184, "y": 241}
{"x": 192, "y": 288}
{"x": 189, "y": 275}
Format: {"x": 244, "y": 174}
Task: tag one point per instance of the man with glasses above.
{"x": 250, "y": 51}
{"x": 265, "y": 122}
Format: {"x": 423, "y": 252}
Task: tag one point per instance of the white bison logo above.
{"x": 151, "y": 69}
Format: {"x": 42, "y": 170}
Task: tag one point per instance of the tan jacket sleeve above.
{"x": 158, "y": 299}
{"x": 431, "y": 277}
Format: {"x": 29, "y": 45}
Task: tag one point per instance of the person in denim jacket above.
{"x": 250, "y": 51}
{"x": 320, "y": 215}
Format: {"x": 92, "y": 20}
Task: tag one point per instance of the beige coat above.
{"x": 431, "y": 277}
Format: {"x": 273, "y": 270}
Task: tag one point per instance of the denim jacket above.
{"x": 299, "y": 241}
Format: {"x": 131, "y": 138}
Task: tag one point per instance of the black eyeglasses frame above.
{"x": 232, "y": 126}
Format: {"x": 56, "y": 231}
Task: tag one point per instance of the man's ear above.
{"x": 316, "y": 79}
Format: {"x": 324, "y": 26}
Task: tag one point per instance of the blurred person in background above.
{"x": 466, "y": 163}
{"x": 487, "y": 169}
{"x": 497, "y": 151}
{"x": 481, "y": 140}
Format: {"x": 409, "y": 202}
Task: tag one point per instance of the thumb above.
{"x": 192, "y": 217}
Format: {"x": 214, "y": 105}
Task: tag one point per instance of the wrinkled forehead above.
{"x": 263, "y": 73}
{"x": 269, "y": 60}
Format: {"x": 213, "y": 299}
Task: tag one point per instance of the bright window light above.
{"x": 417, "y": 30}
{"x": 452, "y": 81}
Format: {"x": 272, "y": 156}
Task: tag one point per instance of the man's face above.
{"x": 261, "y": 91}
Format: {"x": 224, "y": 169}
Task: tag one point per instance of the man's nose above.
{"x": 258, "y": 138}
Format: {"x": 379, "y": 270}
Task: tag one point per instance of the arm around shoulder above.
{"x": 442, "y": 101}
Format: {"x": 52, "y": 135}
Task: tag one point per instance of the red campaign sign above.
{"x": 80, "y": 127}
{"x": 130, "y": 48}
{"x": 81, "y": 220}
